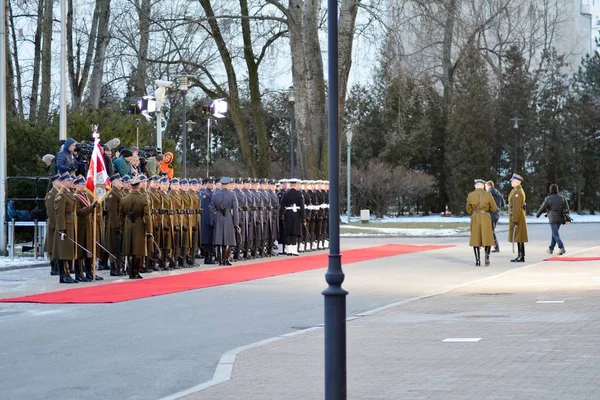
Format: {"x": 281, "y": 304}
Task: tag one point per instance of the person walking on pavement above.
{"x": 224, "y": 209}
{"x": 557, "y": 210}
{"x": 499, "y": 199}
{"x": 517, "y": 223}
{"x": 480, "y": 205}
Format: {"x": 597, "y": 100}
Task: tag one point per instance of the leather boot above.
{"x": 136, "y": 267}
{"x": 54, "y": 267}
{"x": 226, "y": 251}
{"x": 79, "y": 276}
{"x": 88, "y": 271}
{"x": 487, "y": 255}
{"x": 65, "y": 276}
{"x": 477, "y": 253}
{"x": 496, "y": 246}
{"x": 521, "y": 256}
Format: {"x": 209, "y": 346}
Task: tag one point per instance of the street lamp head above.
{"x": 219, "y": 108}
{"x": 190, "y": 124}
{"x": 291, "y": 95}
{"x": 349, "y": 137}
{"x": 163, "y": 84}
{"x": 516, "y": 122}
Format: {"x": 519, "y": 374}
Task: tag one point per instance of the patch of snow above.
{"x": 6, "y": 262}
{"x": 531, "y": 219}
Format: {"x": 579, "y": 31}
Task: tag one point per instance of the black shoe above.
{"x": 135, "y": 276}
{"x": 208, "y": 261}
{"x": 115, "y": 272}
{"x": 496, "y": 250}
{"x": 67, "y": 279}
{"x": 487, "y": 262}
{"x": 90, "y": 276}
{"x": 81, "y": 278}
{"x": 518, "y": 259}
{"x": 477, "y": 263}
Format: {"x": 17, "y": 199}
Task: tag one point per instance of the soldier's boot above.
{"x": 487, "y": 255}
{"x": 54, "y": 267}
{"x": 136, "y": 267}
{"x": 496, "y": 246}
{"x": 89, "y": 273}
{"x": 79, "y": 276}
{"x": 521, "y": 253}
{"x": 208, "y": 259}
{"x": 477, "y": 252}
{"x": 65, "y": 276}
{"x": 226, "y": 253}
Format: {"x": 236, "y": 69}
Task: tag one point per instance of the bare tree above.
{"x": 101, "y": 39}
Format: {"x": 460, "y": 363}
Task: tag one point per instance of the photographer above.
{"x": 557, "y": 210}
{"x": 65, "y": 161}
{"x": 107, "y": 155}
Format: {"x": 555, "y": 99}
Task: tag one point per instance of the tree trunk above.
{"x": 78, "y": 71}
{"x": 264, "y": 160}
{"x": 10, "y": 76}
{"x": 44, "y": 109}
{"x": 447, "y": 65}
{"x": 18, "y": 90}
{"x": 102, "y": 40}
{"x": 37, "y": 60}
{"x": 140, "y": 75}
{"x": 233, "y": 99}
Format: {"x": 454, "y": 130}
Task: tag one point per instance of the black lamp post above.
{"x": 291, "y": 101}
{"x": 335, "y": 295}
{"x": 183, "y": 88}
{"x": 516, "y": 142}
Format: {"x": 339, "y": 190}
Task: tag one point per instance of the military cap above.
{"x": 65, "y": 177}
{"x": 79, "y": 180}
{"x": 264, "y": 180}
{"x": 73, "y": 177}
{"x": 284, "y": 180}
{"x": 184, "y": 182}
{"x": 142, "y": 178}
{"x": 162, "y": 173}
{"x": 164, "y": 180}
{"x": 175, "y": 181}
{"x": 135, "y": 181}
{"x": 273, "y": 181}
{"x": 225, "y": 180}
{"x": 255, "y": 180}
{"x": 294, "y": 180}
{"x": 155, "y": 178}
{"x": 479, "y": 181}
{"x": 210, "y": 179}
{"x": 54, "y": 177}
{"x": 193, "y": 181}
{"x": 115, "y": 177}
{"x": 517, "y": 177}
{"x": 126, "y": 179}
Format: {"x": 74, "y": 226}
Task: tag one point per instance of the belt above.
{"x": 480, "y": 212}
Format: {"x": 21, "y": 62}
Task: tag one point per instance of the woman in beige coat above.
{"x": 479, "y": 205}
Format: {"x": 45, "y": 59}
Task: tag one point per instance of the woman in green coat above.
{"x": 479, "y": 206}
{"x": 517, "y": 224}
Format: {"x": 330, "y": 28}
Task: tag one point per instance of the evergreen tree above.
{"x": 468, "y": 152}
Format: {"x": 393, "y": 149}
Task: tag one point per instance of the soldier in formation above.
{"x": 158, "y": 224}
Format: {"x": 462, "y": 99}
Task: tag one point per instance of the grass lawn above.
{"x": 346, "y": 229}
{"x": 410, "y": 225}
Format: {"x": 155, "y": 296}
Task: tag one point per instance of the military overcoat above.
{"x": 479, "y": 206}
{"x": 64, "y": 213}
{"x": 135, "y": 219}
{"x": 517, "y": 223}
{"x": 224, "y": 208}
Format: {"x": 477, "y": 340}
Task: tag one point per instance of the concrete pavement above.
{"x": 526, "y": 333}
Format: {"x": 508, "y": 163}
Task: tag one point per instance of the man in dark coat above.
{"x": 51, "y": 224}
{"x": 280, "y": 238}
{"x": 65, "y": 161}
{"x": 240, "y": 251}
{"x": 251, "y": 218}
{"x": 557, "y": 209}
{"x": 292, "y": 209}
{"x": 137, "y": 227}
{"x": 224, "y": 209}
{"x": 207, "y": 221}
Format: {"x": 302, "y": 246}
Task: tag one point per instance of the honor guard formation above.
{"x": 161, "y": 223}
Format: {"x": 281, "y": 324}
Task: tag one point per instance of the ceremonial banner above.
{"x": 98, "y": 181}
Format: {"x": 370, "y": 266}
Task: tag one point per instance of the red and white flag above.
{"x": 98, "y": 181}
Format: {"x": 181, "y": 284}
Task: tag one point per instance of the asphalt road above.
{"x": 151, "y": 348}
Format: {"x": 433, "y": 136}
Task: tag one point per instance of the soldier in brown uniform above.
{"x": 187, "y": 219}
{"x": 517, "y": 224}
{"x": 51, "y": 224}
{"x": 137, "y": 227}
{"x": 177, "y": 221}
{"x": 112, "y": 228}
{"x": 147, "y": 266}
{"x": 64, "y": 214}
{"x": 84, "y": 233}
{"x": 155, "y": 202}
{"x": 166, "y": 221}
{"x": 479, "y": 206}
{"x": 197, "y": 212}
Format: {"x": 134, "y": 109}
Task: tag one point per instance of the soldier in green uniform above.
{"x": 84, "y": 234}
{"x": 51, "y": 224}
{"x": 64, "y": 213}
{"x": 137, "y": 227}
{"x": 112, "y": 228}
{"x": 479, "y": 206}
{"x": 517, "y": 224}
{"x": 166, "y": 221}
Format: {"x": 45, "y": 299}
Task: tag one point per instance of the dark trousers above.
{"x": 556, "y": 237}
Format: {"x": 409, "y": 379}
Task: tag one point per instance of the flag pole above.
{"x": 96, "y": 141}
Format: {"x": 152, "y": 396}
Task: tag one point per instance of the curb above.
{"x": 25, "y": 266}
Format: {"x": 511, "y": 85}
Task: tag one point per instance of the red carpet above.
{"x": 131, "y": 290}
{"x": 572, "y": 259}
